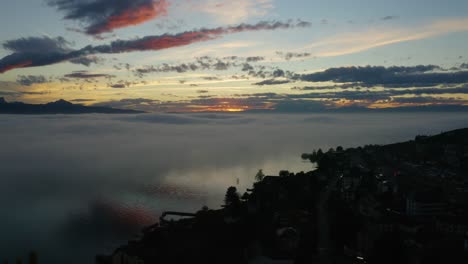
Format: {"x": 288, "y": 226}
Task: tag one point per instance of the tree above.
{"x": 232, "y": 197}
{"x": 339, "y": 149}
{"x": 319, "y": 153}
{"x": 245, "y": 196}
{"x": 259, "y": 177}
{"x": 284, "y": 173}
{"x": 305, "y": 156}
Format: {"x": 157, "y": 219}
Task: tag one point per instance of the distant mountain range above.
{"x": 57, "y": 107}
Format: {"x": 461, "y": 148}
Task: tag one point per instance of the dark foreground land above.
{"x": 57, "y": 107}
{"x": 399, "y": 203}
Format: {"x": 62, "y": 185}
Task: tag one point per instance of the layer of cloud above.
{"x": 53, "y": 51}
{"x": 28, "y": 80}
{"x": 99, "y": 178}
{"x": 422, "y": 75}
{"x": 106, "y": 15}
{"x": 272, "y": 82}
{"x": 86, "y": 75}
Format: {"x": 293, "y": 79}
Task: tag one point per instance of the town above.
{"x": 398, "y": 203}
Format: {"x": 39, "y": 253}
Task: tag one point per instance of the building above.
{"x": 425, "y": 204}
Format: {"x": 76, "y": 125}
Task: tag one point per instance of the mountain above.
{"x": 57, "y": 107}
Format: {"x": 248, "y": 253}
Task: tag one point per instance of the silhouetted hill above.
{"x": 57, "y": 107}
{"x": 458, "y": 137}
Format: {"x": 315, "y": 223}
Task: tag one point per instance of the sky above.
{"x": 219, "y": 55}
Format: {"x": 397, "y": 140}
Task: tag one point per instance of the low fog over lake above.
{"x": 81, "y": 185}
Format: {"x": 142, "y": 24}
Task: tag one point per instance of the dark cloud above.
{"x": 385, "y": 18}
{"x": 376, "y": 95}
{"x": 301, "y": 23}
{"x": 211, "y": 78}
{"x": 427, "y": 100}
{"x": 87, "y": 60}
{"x": 422, "y": 75}
{"x": 118, "y": 86}
{"x": 102, "y": 16}
{"x": 221, "y": 66}
{"x": 42, "y": 44}
{"x": 247, "y": 67}
{"x": 278, "y": 73}
{"x": 132, "y": 103}
{"x": 201, "y": 63}
{"x": 186, "y": 38}
{"x": 272, "y": 82}
{"x": 28, "y": 80}
{"x": 87, "y": 75}
{"x": 35, "y": 51}
{"x": 122, "y": 84}
{"x": 202, "y": 91}
{"x": 53, "y": 51}
{"x": 82, "y": 100}
{"x": 254, "y": 59}
{"x": 291, "y": 55}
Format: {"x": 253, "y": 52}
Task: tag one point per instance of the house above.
{"x": 123, "y": 257}
{"x": 425, "y": 204}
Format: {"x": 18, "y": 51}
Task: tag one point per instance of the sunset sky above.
{"x": 218, "y": 55}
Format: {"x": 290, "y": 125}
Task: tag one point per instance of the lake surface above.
{"x": 75, "y": 186}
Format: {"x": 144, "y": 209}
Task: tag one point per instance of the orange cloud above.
{"x": 14, "y": 66}
{"x": 131, "y": 17}
{"x": 56, "y": 54}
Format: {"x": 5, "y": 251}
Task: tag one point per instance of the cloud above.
{"x": 290, "y": 55}
{"x": 255, "y": 59}
{"x": 272, "y": 82}
{"x": 131, "y": 103}
{"x": 43, "y": 44}
{"x": 229, "y": 12}
{"x": 106, "y": 15}
{"x": 82, "y": 100}
{"x": 30, "y": 79}
{"x": 418, "y": 100}
{"x": 53, "y": 51}
{"x": 118, "y": 86}
{"x": 87, "y": 75}
{"x": 87, "y": 60}
{"x": 398, "y": 76}
{"x": 211, "y": 78}
{"x": 385, "y": 18}
{"x": 350, "y": 43}
{"x": 210, "y": 63}
{"x": 36, "y": 51}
